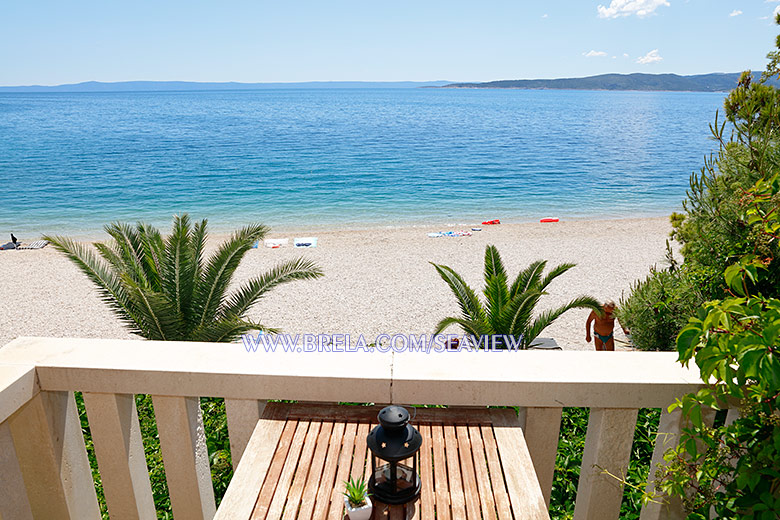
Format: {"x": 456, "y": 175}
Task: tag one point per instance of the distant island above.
{"x": 157, "y": 86}
{"x": 715, "y": 82}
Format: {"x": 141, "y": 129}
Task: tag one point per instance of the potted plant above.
{"x": 356, "y": 499}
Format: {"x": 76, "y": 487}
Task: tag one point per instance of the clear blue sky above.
{"x": 51, "y": 42}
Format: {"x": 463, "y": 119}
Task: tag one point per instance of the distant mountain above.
{"x": 136, "y": 86}
{"x": 716, "y": 82}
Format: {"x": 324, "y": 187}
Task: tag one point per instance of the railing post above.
{"x": 607, "y": 449}
{"x": 116, "y": 434}
{"x": 14, "y": 503}
{"x": 663, "y": 507}
{"x": 53, "y": 460}
{"x": 542, "y": 428}
{"x": 185, "y": 456}
{"x": 242, "y": 417}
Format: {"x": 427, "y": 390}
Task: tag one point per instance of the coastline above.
{"x": 377, "y": 281}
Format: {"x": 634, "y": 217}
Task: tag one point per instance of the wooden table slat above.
{"x": 276, "y": 508}
{"x": 275, "y": 469}
{"x": 302, "y": 472}
{"x": 470, "y": 491}
{"x": 440, "y": 480}
{"x": 483, "y": 475}
{"x": 327, "y": 484}
{"x": 345, "y": 460}
{"x": 496, "y": 474}
{"x": 457, "y": 499}
{"x": 361, "y": 448}
{"x": 425, "y": 506}
{"x": 316, "y": 472}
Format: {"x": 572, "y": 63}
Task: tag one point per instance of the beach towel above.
{"x": 276, "y": 242}
{"x": 305, "y": 241}
{"x": 450, "y": 234}
{"x": 38, "y": 244}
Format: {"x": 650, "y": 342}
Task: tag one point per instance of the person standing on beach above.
{"x": 603, "y": 327}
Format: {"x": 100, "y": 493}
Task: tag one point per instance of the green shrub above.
{"x": 658, "y": 308}
{"x": 713, "y": 230}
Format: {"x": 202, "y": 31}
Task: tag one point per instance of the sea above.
{"x": 345, "y": 158}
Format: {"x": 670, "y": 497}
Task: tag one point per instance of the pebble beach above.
{"x": 377, "y": 281}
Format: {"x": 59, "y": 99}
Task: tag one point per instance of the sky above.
{"x": 50, "y": 42}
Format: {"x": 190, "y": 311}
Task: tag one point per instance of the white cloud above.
{"x": 628, "y": 7}
{"x": 545, "y": 14}
{"x": 594, "y": 54}
{"x": 736, "y": 12}
{"x": 650, "y": 57}
{"x": 625, "y": 55}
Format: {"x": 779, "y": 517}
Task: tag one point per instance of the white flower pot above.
{"x": 359, "y": 513}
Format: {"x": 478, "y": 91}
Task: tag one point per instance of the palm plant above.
{"x": 507, "y": 310}
{"x": 166, "y": 288}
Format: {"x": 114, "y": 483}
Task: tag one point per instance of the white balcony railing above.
{"x": 45, "y": 472}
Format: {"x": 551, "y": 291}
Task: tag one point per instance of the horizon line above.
{"x": 231, "y": 82}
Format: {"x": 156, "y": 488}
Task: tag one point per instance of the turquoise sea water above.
{"x": 70, "y": 162}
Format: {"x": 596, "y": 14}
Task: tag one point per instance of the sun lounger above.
{"x": 38, "y": 244}
{"x": 305, "y": 242}
{"x": 275, "y": 242}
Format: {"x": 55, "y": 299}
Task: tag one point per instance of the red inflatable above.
{"x": 549, "y": 219}
{"x": 491, "y": 222}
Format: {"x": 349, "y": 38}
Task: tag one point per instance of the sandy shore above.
{"x": 376, "y": 281}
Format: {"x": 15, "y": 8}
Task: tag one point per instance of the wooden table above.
{"x": 474, "y": 463}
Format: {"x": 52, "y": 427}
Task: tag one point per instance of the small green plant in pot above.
{"x": 356, "y": 499}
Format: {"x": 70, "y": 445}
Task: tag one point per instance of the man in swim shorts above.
{"x": 603, "y": 327}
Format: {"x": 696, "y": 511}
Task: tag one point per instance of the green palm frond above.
{"x": 228, "y": 330}
{"x": 496, "y": 298}
{"x": 516, "y": 316}
{"x": 469, "y": 304}
{"x": 177, "y": 266}
{"x": 129, "y": 249}
{"x": 554, "y": 273}
{"x": 494, "y": 267}
{"x": 528, "y": 278}
{"x": 156, "y": 315}
{"x": 254, "y": 289}
{"x": 470, "y": 327}
{"x": 153, "y": 251}
{"x": 220, "y": 270}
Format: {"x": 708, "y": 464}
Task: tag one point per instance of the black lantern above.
{"x": 394, "y": 441}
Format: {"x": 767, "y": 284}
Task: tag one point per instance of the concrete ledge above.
{"x": 202, "y": 369}
{"x": 17, "y": 387}
{"x": 542, "y": 379}
{"x": 524, "y": 378}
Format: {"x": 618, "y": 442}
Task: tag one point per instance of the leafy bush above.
{"x": 733, "y": 468}
{"x": 713, "y": 231}
{"x": 658, "y": 308}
